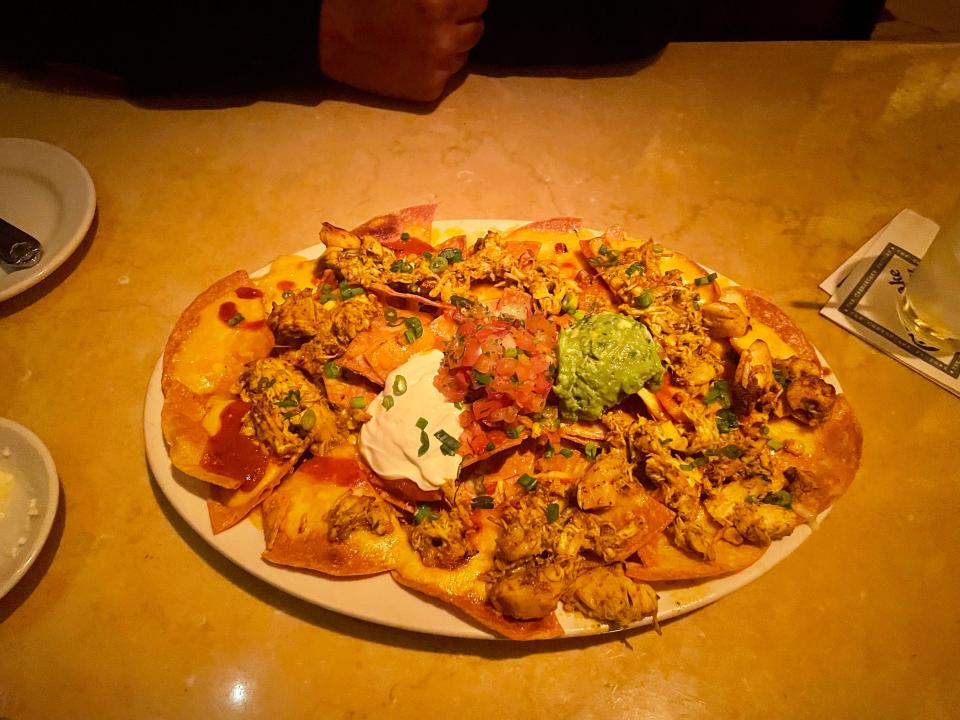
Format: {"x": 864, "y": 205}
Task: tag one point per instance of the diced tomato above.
{"x": 411, "y": 246}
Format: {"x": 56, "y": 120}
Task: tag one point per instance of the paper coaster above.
{"x": 866, "y": 290}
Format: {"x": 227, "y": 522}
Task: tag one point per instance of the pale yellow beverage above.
{"x": 930, "y": 305}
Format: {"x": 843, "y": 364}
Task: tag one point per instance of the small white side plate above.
{"x": 24, "y": 456}
{"x": 46, "y": 192}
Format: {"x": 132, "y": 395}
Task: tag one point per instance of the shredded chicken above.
{"x": 354, "y": 512}
{"x": 441, "y": 540}
{"x": 287, "y": 411}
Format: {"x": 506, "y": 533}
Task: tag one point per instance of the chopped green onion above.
{"x": 399, "y": 385}
{"x": 460, "y": 301}
{"x": 331, "y": 370}
{"x": 553, "y": 512}
{"x": 428, "y": 256}
{"x": 424, "y": 512}
{"x": 705, "y": 280}
{"x": 424, "y": 444}
{"x": 358, "y": 402}
{"x": 325, "y": 293}
{"x": 512, "y": 432}
{"x": 780, "y": 497}
{"x": 308, "y": 419}
{"x": 549, "y": 451}
{"x": 570, "y": 303}
{"x": 726, "y": 421}
{"x": 643, "y": 300}
{"x": 781, "y": 377}
{"x": 414, "y": 326}
{"x": 439, "y": 264}
{"x": 731, "y": 451}
{"x": 489, "y": 447}
{"x": 404, "y": 236}
{"x": 422, "y": 423}
{"x": 388, "y": 402}
{"x": 389, "y": 314}
{"x": 775, "y": 444}
{"x": 235, "y": 320}
{"x": 637, "y": 267}
{"x": 719, "y": 392}
{"x": 527, "y": 482}
{"x": 510, "y": 352}
{"x": 482, "y": 378}
{"x": 482, "y": 502}
{"x": 452, "y": 255}
{"x": 591, "y": 449}
{"x": 566, "y": 452}
{"x": 764, "y": 430}
{"x": 409, "y": 336}
{"x": 446, "y": 438}
{"x": 267, "y": 382}
{"x": 290, "y": 400}
{"x": 287, "y": 294}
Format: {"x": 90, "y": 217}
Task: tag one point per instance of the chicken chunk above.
{"x": 353, "y": 512}
{"x": 528, "y": 593}
{"x": 295, "y": 319}
{"x": 755, "y": 389}
{"x": 808, "y": 398}
{"x": 724, "y": 320}
{"x": 601, "y": 485}
{"x": 607, "y": 594}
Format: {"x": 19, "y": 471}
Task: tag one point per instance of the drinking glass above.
{"x": 930, "y": 304}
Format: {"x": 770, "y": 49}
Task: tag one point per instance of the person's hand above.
{"x": 399, "y": 48}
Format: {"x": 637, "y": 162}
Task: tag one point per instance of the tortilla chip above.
{"x": 295, "y": 524}
{"x": 662, "y": 560}
{"x": 228, "y": 507}
{"x": 464, "y": 589}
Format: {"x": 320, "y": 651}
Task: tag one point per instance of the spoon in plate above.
{"x": 18, "y": 249}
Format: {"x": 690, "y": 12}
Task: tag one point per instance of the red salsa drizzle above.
{"x": 248, "y": 293}
{"x": 232, "y": 453}
{"x": 334, "y": 470}
{"x": 230, "y": 314}
{"x": 286, "y": 285}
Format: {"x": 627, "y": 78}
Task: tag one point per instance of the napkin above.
{"x": 865, "y": 290}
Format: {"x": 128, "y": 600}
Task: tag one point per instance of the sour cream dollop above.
{"x": 390, "y": 440}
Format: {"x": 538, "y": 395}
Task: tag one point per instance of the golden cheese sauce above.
{"x": 391, "y": 440}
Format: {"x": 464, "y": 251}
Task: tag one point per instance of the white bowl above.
{"x": 22, "y": 534}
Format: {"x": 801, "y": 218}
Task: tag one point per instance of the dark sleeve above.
{"x": 173, "y": 46}
{"x": 549, "y": 32}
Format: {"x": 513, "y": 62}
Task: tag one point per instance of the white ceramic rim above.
{"x": 30, "y": 552}
{"x": 76, "y": 184}
{"x": 378, "y": 598}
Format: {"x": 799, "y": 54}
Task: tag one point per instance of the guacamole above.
{"x": 601, "y": 358}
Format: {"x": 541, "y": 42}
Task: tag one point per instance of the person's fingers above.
{"x": 464, "y": 35}
{"x": 455, "y": 63}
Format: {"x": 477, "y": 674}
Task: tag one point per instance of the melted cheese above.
{"x": 199, "y": 363}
